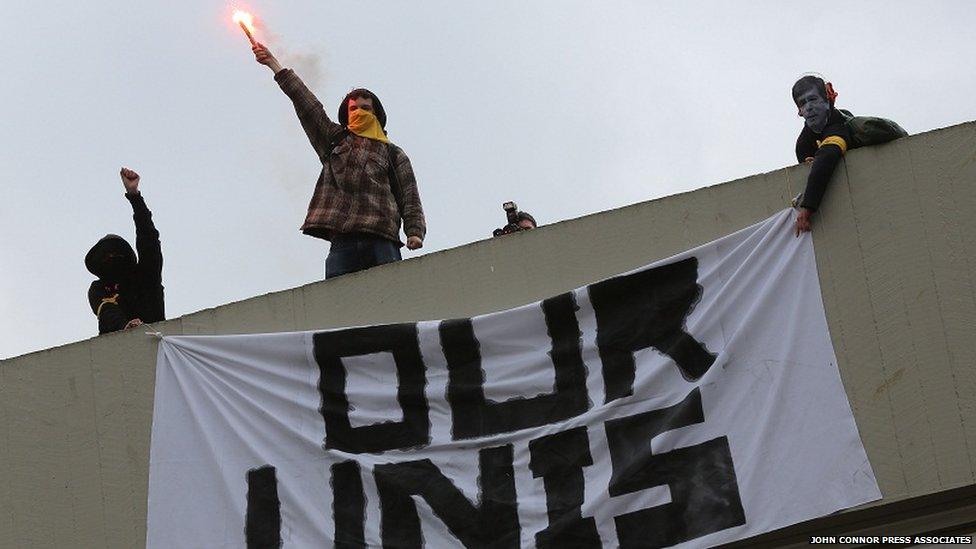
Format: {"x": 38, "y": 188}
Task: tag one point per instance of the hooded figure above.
{"x": 128, "y": 288}
{"x": 111, "y": 258}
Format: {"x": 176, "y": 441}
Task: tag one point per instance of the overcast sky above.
{"x": 567, "y": 107}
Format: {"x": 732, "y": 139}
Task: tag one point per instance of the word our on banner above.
{"x": 691, "y": 402}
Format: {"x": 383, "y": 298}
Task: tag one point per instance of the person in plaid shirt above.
{"x": 366, "y": 185}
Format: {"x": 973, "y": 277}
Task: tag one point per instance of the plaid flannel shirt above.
{"x": 355, "y": 195}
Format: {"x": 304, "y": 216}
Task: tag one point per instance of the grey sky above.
{"x": 567, "y": 107}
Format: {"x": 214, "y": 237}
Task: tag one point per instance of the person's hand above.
{"x": 414, "y": 242}
{"x": 808, "y": 160}
{"x": 133, "y": 323}
{"x": 804, "y": 223}
{"x": 130, "y": 180}
{"x": 263, "y": 56}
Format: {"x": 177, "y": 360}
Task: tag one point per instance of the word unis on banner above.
{"x": 692, "y": 402}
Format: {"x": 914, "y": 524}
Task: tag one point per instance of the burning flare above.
{"x": 246, "y": 21}
{"x": 242, "y": 17}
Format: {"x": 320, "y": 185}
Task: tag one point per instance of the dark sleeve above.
{"x": 147, "y": 240}
{"x": 411, "y": 209}
{"x": 317, "y": 125}
{"x": 104, "y": 304}
{"x": 806, "y": 144}
{"x": 824, "y": 163}
{"x": 829, "y": 151}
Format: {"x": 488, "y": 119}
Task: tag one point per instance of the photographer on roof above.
{"x": 517, "y": 221}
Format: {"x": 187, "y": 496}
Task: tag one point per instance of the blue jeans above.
{"x": 357, "y": 252}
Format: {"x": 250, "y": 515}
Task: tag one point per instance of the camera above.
{"x": 511, "y": 214}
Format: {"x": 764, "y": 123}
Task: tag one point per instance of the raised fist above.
{"x": 130, "y": 180}
{"x": 263, "y": 56}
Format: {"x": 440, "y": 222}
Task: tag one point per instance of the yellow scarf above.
{"x": 365, "y": 124}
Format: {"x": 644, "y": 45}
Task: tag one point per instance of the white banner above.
{"x": 693, "y": 402}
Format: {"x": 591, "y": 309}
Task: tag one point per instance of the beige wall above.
{"x": 896, "y": 248}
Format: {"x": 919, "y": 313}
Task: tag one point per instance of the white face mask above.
{"x": 814, "y": 108}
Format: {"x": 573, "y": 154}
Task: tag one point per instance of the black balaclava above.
{"x": 359, "y": 92}
{"x": 111, "y": 258}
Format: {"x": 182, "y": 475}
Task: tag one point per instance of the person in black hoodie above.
{"x": 823, "y": 141}
{"x": 129, "y": 290}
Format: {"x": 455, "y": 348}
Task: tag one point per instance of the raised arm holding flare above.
{"x": 366, "y": 186}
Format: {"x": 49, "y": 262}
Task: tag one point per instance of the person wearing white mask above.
{"x": 823, "y": 141}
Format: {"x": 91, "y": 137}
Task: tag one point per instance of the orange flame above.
{"x": 245, "y": 18}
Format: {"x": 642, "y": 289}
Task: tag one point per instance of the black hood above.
{"x": 111, "y": 244}
{"x": 377, "y": 107}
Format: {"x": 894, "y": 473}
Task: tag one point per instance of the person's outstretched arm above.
{"x": 829, "y": 150}
{"x": 824, "y": 163}
{"x": 147, "y": 237}
{"x": 318, "y": 127}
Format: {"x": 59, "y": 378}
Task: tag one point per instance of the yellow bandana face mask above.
{"x": 365, "y": 124}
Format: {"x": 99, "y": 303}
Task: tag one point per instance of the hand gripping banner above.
{"x": 692, "y": 402}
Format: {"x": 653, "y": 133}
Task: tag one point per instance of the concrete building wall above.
{"x": 896, "y": 249}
